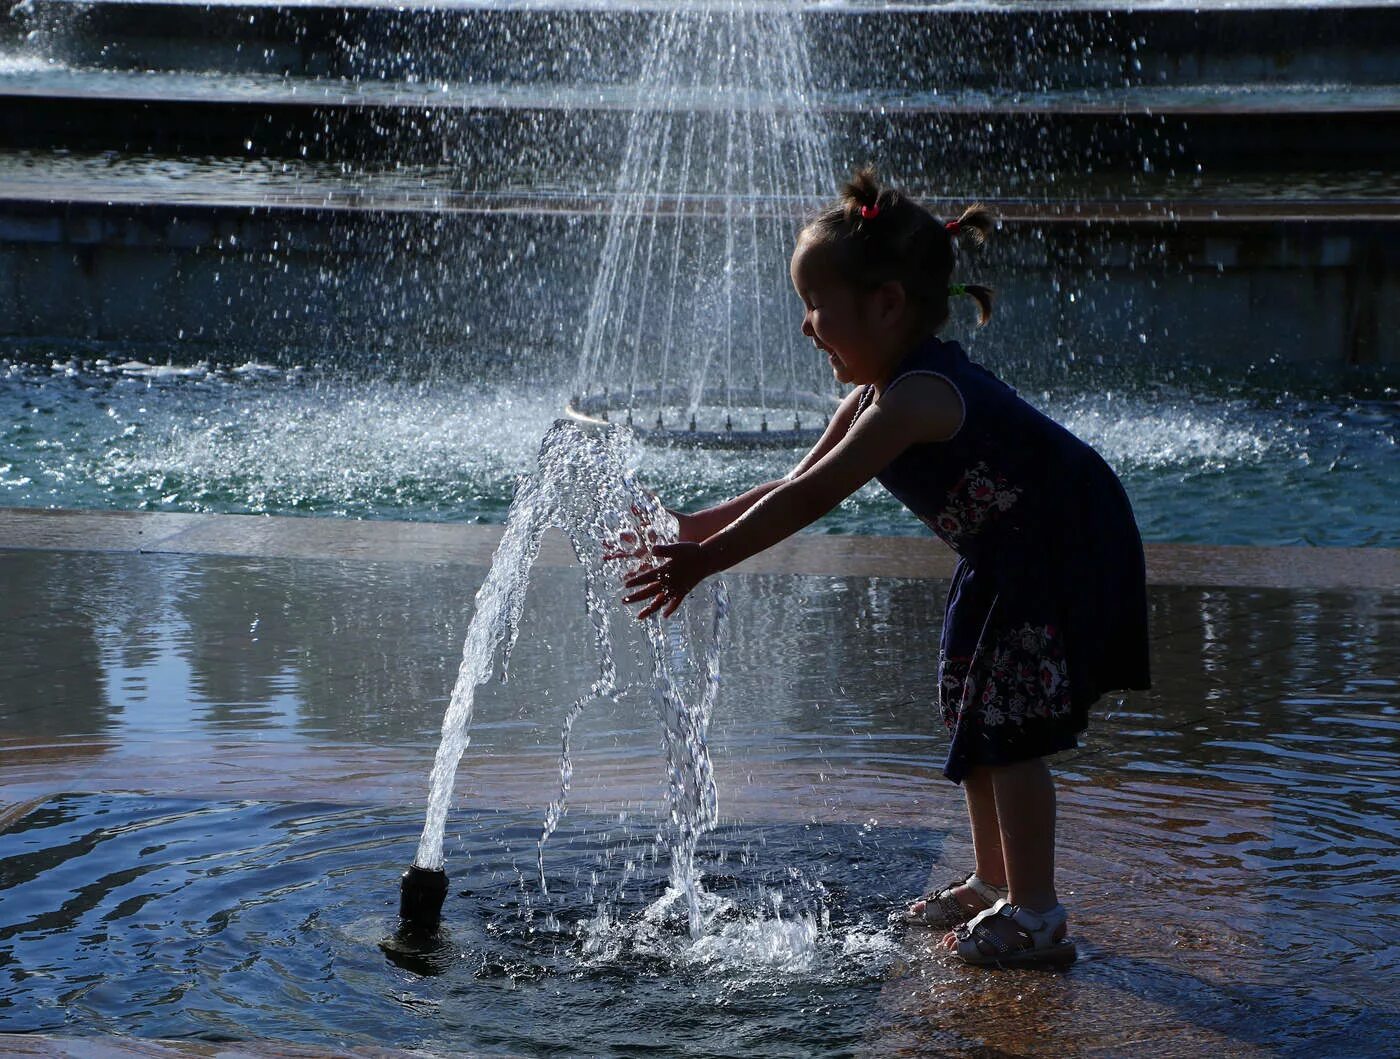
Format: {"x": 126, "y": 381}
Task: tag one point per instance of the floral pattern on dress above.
{"x": 1020, "y": 677}
{"x": 971, "y": 502}
{"x": 952, "y": 680}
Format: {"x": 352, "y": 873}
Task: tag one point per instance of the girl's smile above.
{"x": 860, "y": 331}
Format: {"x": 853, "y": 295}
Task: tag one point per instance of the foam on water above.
{"x": 18, "y": 63}
{"x": 740, "y": 946}
{"x": 1134, "y": 432}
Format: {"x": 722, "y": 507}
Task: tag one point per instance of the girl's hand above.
{"x": 664, "y": 586}
{"x": 638, "y": 544}
{"x": 633, "y": 544}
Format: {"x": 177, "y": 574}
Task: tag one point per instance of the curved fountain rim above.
{"x": 593, "y": 410}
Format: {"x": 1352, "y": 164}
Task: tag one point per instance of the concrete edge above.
{"x": 287, "y": 537}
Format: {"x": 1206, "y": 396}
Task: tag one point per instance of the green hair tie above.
{"x": 956, "y": 290}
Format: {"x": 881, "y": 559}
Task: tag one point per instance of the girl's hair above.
{"x": 881, "y": 234}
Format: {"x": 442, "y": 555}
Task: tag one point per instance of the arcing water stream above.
{"x": 583, "y": 487}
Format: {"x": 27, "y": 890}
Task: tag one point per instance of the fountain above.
{"x": 692, "y": 283}
{"x": 689, "y": 331}
{"x": 582, "y": 486}
{"x": 310, "y": 199}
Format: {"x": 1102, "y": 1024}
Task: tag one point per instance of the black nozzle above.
{"x": 421, "y": 894}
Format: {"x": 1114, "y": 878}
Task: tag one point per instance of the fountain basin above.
{"x": 716, "y": 418}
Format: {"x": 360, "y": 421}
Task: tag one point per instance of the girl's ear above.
{"x": 890, "y": 301}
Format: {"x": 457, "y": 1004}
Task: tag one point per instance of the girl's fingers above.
{"x": 641, "y": 577}
{"x": 645, "y": 593}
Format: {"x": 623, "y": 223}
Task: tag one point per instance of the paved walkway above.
{"x": 847, "y": 556}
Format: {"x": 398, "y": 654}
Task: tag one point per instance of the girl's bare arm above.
{"x": 920, "y": 410}
{"x": 701, "y": 525}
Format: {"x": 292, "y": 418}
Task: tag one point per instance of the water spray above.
{"x": 582, "y": 485}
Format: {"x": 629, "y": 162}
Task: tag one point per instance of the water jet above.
{"x": 697, "y": 423}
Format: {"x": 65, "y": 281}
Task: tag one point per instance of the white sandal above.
{"x": 943, "y": 911}
{"x": 1033, "y": 942}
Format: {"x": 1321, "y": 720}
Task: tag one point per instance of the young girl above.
{"x": 1047, "y": 607}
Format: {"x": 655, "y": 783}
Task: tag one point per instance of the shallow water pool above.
{"x": 222, "y": 806}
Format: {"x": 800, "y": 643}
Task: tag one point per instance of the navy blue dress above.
{"x": 1047, "y": 609}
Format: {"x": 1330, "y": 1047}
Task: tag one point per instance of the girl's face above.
{"x": 844, "y": 322}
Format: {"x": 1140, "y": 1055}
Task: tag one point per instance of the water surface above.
{"x": 235, "y": 780}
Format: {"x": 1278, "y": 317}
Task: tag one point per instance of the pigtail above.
{"x": 863, "y": 189}
{"x": 983, "y": 297}
{"x": 973, "y": 227}
{"x": 863, "y": 198}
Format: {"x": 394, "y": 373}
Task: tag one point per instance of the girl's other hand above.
{"x": 664, "y": 586}
{"x": 638, "y": 543}
{"x": 633, "y": 544}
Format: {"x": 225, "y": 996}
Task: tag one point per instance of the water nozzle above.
{"x": 421, "y": 894}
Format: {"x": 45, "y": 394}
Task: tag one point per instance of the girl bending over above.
{"x": 1047, "y": 606}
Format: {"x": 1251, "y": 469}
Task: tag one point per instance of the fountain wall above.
{"x": 294, "y": 282}
{"x": 431, "y": 185}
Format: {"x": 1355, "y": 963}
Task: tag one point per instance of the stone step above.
{"x": 1161, "y": 129}
{"x": 238, "y": 179}
{"x": 899, "y": 46}
{"x": 325, "y": 195}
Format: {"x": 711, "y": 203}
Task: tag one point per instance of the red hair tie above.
{"x": 953, "y": 227}
{"x": 869, "y": 213}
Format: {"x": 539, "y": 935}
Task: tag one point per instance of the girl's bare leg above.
{"x": 980, "y": 792}
{"x": 986, "y": 840}
{"x": 1024, "y": 812}
{"x": 1025, "y": 798}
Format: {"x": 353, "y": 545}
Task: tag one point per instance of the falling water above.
{"x": 582, "y": 486}
{"x": 691, "y": 305}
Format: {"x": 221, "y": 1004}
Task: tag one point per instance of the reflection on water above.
{"x": 1227, "y": 840}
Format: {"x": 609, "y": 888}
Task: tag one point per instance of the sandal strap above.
{"x": 1035, "y": 930}
{"x": 1045, "y": 923}
{"x": 949, "y": 905}
{"x": 985, "y": 890}
{"x": 986, "y": 940}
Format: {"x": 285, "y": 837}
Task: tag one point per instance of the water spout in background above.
{"x": 691, "y": 306}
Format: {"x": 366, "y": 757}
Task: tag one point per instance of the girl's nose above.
{"x": 807, "y": 325}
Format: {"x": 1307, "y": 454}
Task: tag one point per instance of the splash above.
{"x": 582, "y": 486}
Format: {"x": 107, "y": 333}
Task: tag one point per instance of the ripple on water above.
{"x": 277, "y": 920}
